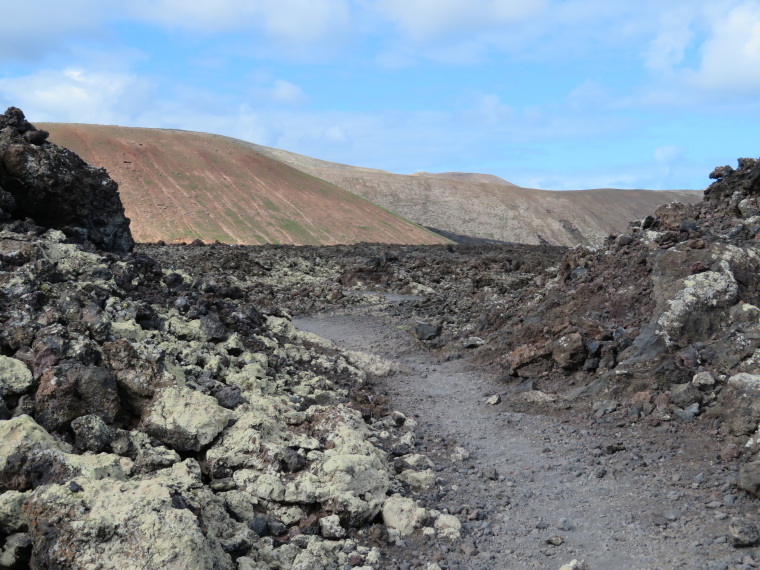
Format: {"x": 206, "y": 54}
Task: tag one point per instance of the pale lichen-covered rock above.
{"x": 703, "y": 380}
{"x": 184, "y": 329}
{"x": 403, "y": 515}
{"x": 240, "y": 505}
{"x": 22, "y": 433}
{"x": 128, "y": 330}
{"x": 282, "y": 327}
{"x": 460, "y": 454}
{"x": 371, "y": 364}
{"x": 418, "y": 480}
{"x": 448, "y": 526}
{"x": 350, "y": 479}
{"x": 575, "y": 565}
{"x": 14, "y": 553}
{"x": 744, "y": 381}
{"x": 30, "y": 457}
{"x": 252, "y": 378}
{"x": 354, "y": 475}
{"x": 745, "y": 313}
{"x": 254, "y": 441}
{"x": 15, "y": 377}
{"x": 330, "y": 527}
{"x": 116, "y": 525}
{"x": 185, "y": 419}
{"x": 309, "y": 553}
{"x": 418, "y": 461}
{"x": 700, "y": 294}
{"x": 305, "y": 336}
{"x": 12, "y": 518}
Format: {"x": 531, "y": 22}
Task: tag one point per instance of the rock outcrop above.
{"x": 56, "y": 189}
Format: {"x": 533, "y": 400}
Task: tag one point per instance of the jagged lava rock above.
{"x": 57, "y": 189}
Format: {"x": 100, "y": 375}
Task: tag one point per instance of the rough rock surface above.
{"x": 56, "y": 189}
{"x": 148, "y": 420}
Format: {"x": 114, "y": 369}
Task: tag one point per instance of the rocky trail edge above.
{"x": 537, "y": 491}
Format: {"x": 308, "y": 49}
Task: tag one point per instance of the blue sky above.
{"x": 554, "y": 94}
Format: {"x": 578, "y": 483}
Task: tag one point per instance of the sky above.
{"x": 552, "y": 94}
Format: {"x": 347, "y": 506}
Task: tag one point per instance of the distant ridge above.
{"x": 464, "y": 177}
{"x": 489, "y": 207}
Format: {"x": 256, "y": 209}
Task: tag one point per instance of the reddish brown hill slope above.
{"x": 178, "y": 186}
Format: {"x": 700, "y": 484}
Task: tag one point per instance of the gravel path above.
{"x": 541, "y": 490}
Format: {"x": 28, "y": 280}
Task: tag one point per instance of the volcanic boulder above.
{"x": 57, "y": 189}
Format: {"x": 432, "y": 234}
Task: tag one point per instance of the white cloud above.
{"x": 731, "y": 56}
{"x": 75, "y": 95}
{"x": 668, "y": 47}
{"x": 39, "y": 28}
{"x": 489, "y": 109}
{"x": 424, "y": 20}
{"x": 666, "y": 154}
{"x": 335, "y": 135}
{"x": 281, "y": 92}
{"x": 31, "y": 29}
{"x": 297, "y": 23}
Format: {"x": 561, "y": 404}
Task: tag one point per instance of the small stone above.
{"x": 703, "y": 380}
{"x": 229, "y": 397}
{"x": 398, "y": 418}
{"x": 258, "y": 525}
{"x": 684, "y": 395}
{"x": 575, "y": 565}
{"x": 565, "y": 524}
{"x": 473, "y": 342}
{"x": 330, "y": 527}
{"x": 276, "y": 527}
{"x": 604, "y": 407}
{"x": 688, "y": 414}
{"x": 425, "y": 331}
{"x": 749, "y": 477}
{"x": 494, "y": 400}
{"x": 555, "y": 540}
{"x": 491, "y": 473}
{"x": 91, "y": 433}
{"x": 75, "y": 487}
{"x": 672, "y": 515}
{"x": 729, "y": 452}
{"x": 743, "y": 533}
{"x": 448, "y": 526}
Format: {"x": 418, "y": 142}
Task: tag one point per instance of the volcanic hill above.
{"x": 489, "y": 207}
{"x": 179, "y": 186}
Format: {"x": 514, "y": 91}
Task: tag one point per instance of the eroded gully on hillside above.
{"x": 539, "y": 491}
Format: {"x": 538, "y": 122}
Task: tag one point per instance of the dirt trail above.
{"x": 618, "y": 495}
